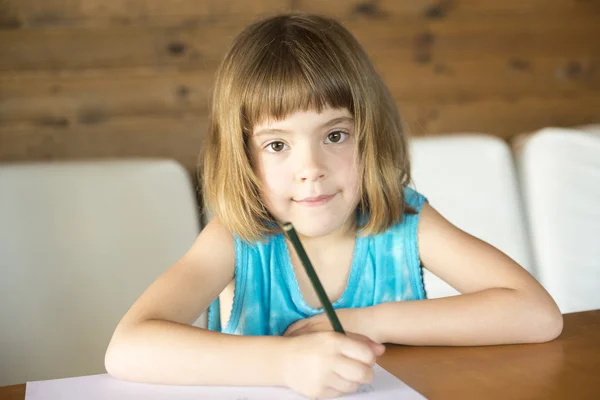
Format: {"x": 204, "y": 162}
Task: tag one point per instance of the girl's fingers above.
{"x": 358, "y": 350}
{"x": 378, "y": 348}
{"x": 339, "y": 384}
{"x": 354, "y": 371}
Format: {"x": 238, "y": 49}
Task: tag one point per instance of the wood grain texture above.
{"x": 82, "y": 68}
{"x": 116, "y": 47}
{"x": 54, "y": 13}
{"x": 97, "y": 95}
{"x": 203, "y": 45}
{"x": 566, "y": 368}
{"x": 500, "y": 116}
{"x": 177, "y": 137}
{"x": 137, "y": 91}
{"x": 441, "y": 9}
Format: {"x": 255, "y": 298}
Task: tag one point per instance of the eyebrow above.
{"x": 327, "y": 124}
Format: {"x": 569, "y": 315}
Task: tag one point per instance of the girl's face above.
{"x": 309, "y": 170}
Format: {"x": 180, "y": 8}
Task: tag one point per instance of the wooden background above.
{"x": 97, "y": 78}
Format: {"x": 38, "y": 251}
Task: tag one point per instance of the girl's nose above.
{"x": 310, "y": 166}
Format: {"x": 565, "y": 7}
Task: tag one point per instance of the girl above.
{"x": 304, "y": 130}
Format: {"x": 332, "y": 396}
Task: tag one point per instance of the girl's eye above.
{"x": 336, "y": 137}
{"x": 275, "y": 147}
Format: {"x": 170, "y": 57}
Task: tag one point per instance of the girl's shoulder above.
{"x": 408, "y": 226}
{"x": 414, "y": 199}
{"x": 214, "y": 247}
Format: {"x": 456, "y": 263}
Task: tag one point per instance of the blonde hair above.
{"x": 290, "y": 63}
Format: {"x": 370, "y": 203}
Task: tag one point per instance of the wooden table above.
{"x": 566, "y": 368}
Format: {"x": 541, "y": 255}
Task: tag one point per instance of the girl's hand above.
{"x": 358, "y": 320}
{"x": 318, "y": 323}
{"x": 329, "y": 364}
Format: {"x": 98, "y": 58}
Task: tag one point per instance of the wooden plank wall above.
{"x": 119, "y": 78}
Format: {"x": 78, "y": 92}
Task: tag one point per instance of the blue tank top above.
{"x": 267, "y": 298}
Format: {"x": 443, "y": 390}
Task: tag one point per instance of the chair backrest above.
{"x": 79, "y": 242}
{"x": 560, "y": 176}
{"x": 471, "y": 180}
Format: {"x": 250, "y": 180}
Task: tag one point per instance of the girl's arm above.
{"x": 500, "y": 303}
{"x": 154, "y": 342}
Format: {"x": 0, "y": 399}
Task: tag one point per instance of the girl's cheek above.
{"x": 277, "y": 180}
{"x": 274, "y": 176}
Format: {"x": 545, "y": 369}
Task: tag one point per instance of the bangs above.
{"x": 295, "y": 75}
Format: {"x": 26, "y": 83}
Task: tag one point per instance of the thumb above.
{"x": 377, "y": 348}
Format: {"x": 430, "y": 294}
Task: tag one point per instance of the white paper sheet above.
{"x": 104, "y": 387}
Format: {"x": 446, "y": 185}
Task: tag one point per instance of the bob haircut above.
{"x": 289, "y": 63}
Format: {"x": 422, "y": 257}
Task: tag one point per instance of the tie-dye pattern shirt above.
{"x": 267, "y": 299}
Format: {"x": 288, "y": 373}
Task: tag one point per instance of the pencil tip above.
{"x": 288, "y": 226}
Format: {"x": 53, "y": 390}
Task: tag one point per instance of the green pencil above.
{"x": 314, "y": 279}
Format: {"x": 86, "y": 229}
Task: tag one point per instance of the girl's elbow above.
{"x": 550, "y": 325}
{"x": 556, "y": 325}
{"x": 112, "y": 362}
{"x": 116, "y": 362}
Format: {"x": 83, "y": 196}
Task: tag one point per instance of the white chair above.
{"x": 79, "y": 242}
{"x": 470, "y": 179}
{"x": 560, "y": 175}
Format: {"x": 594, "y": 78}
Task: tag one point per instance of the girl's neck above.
{"x": 343, "y": 234}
